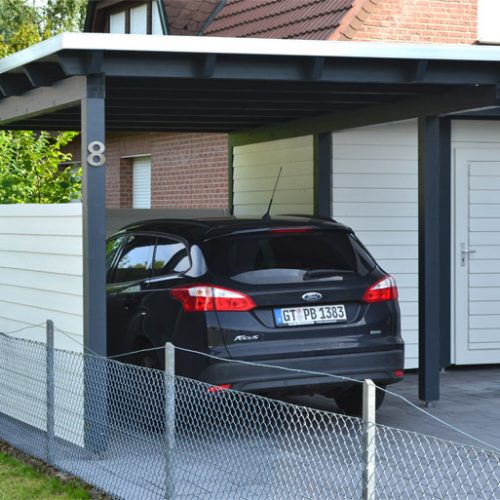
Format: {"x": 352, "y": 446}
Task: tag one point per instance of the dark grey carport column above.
{"x": 431, "y": 289}
{"x": 94, "y": 267}
{"x": 94, "y": 215}
{"x": 323, "y": 174}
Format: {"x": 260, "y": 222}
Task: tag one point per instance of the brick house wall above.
{"x": 188, "y": 170}
{"x": 419, "y": 21}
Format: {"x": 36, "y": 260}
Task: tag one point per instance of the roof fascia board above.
{"x": 453, "y": 101}
{"x": 245, "y": 46}
{"x": 62, "y": 94}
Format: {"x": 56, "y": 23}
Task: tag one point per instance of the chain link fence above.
{"x": 136, "y": 432}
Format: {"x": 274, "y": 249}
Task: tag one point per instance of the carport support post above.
{"x": 323, "y": 169}
{"x": 94, "y": 270}
{"x": 430, "y": 286}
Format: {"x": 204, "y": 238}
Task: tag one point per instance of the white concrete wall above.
{"x": 41, "y": 279}
{"x": 374, "y": 191}
{"x": 256, "y": 168}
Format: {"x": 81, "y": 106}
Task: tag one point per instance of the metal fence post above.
{"x": 169, "y": 420}
{"x": 369, "y": 431}
{"x": 50, "y": 391}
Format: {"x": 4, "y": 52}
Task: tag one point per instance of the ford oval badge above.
{"x": 312, "y": 296}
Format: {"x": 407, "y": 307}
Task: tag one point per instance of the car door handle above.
{"x": 464, "y": 252}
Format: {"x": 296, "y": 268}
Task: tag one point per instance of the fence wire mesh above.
{"x": 114, "y": 424}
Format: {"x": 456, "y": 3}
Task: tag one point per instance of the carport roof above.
{"x": 169, "y": 83}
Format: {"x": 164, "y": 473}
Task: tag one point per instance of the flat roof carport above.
{"x": 260, "y": 90}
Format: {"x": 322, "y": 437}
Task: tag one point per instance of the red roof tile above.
{"x": 304, "y": 19}
{"x": 187, "y": 17}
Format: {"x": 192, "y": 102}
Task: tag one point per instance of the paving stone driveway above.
{"x": 470, "y": 400}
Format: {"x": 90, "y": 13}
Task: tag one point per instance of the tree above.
{"x": 64, "y": 15}
{"x": 30, "y": 170}
{"x": 23, "y": 22}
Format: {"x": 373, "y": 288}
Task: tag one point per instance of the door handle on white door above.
{"x": 464, "y": 251}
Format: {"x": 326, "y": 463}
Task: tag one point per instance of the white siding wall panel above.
{"x": 375, "y": 192}
{"x": 256, "y": 167}
{"x": 40, "y": 279}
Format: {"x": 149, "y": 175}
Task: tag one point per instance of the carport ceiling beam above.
{"x": 43, "y": 74}
{"x": 62, "y": 94}
{"x": 456, "y": 100}
{"x": 14, "y": 84}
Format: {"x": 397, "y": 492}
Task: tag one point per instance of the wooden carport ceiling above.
{"x": 142, "y": 104}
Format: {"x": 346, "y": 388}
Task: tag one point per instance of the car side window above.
{"x": 171, "y": 257}
{"x": 112, "y": 246}
{"x": 136, "y": 260}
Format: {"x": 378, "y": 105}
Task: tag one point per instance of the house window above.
{"x": 156, "y": 27}
{"x": 139, "y": 18}
{"x": 141, "y": 182}
{"x": 488, "y": 27}
{"x": 117, "y": 22}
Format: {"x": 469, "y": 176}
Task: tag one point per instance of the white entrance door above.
{"x": 477, "y": 256}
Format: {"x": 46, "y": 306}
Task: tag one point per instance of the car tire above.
{"x": 350, "y": 400}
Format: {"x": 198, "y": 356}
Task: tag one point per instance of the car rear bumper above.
{"x": 378, "y": 366}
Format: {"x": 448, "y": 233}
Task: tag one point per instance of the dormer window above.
{"x": 140, "y": 18}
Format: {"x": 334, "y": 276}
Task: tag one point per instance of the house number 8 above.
{"x": 96, "y": 156}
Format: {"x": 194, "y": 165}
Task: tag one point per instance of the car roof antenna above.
{"x": 267, "y": 215}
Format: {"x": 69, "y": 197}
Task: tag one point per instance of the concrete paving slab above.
{"x": 470, "y": 401}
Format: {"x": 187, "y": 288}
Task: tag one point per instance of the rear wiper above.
{"x": 324, "y": 273}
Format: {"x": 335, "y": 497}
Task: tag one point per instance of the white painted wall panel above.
{"x": 356, "y": 193}
{"x": 256, "y": 167}
{"x": 471, "y": 132}
{"x": 375, "y": 192}
{"x": 41, "y": 279}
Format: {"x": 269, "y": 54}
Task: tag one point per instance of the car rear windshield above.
{"x": 268, "y": 258}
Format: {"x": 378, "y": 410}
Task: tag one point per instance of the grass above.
{"x": 21, "y": 481}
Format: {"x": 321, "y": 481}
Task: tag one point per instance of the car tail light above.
{"x": 399, "y": 373}
{"x": 196, "y": 298}
{"x": 384, "y": 289}
{"x": 218, "y": 388}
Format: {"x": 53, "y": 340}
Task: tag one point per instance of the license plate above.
{"x": 310, "y": 315}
